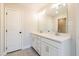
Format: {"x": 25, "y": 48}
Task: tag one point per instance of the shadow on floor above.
{"x": 25, "y": 52}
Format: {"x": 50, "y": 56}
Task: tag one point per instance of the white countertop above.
{"x": 52, "y": 36}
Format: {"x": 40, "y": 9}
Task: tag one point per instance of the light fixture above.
{"x": 64, "y": 4}
{"x": 55, "y": 5}
{"x": 56, "y": 12}
{"x": 35, "y": 15}
{"x": 42, "y": 12}
{"x": 39, "y": 15}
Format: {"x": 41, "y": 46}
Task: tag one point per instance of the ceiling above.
{"x": 37, "y": 7}
{"x": 33, "y": 6}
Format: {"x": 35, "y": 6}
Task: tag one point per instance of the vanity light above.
{"x": 35, "y": 16}
{"x": 64, "y": 4}
{"x": 55, "y": 5}
{"x": 42, "y": 13}
{"x": 39, "y": 15}
{"x": 56, "y": 12}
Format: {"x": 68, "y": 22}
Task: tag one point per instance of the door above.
{"x": 13, "y": 30}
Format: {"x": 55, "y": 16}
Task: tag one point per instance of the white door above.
{"x": 13, "y": 32}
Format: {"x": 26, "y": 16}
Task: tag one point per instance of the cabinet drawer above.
{"x": 51, "y": 42}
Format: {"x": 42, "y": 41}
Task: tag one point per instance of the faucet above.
{"x": 57, "y": 33}
{"x": 41, "y": 31}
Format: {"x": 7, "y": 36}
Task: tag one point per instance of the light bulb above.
{"x": 64, "y": 4}
{"x": 56, "y": 12}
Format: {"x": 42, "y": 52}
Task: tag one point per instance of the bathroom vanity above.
{"x": 51, "y": 44}
{"x": 47, "y": 43}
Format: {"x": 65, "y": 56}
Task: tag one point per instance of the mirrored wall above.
{"x": 53, "y": 18}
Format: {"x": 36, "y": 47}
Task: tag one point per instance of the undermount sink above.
{"x": 57, "y": 34}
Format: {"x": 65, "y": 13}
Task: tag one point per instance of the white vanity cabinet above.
{"x": 48, "y": 50}
{"x": 49, "y": 47}
{"x": 36, "y": 43}
{"x": 45, "y": 49}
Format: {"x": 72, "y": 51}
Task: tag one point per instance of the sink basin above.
{"x": 57, "y": 34}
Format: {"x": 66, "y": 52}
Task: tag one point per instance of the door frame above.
{"x": 5, "y": 10}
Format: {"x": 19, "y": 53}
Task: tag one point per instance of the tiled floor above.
{"x": 26, "y": 52}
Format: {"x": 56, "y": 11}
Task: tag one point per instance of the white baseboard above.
{"x": 25, "y": 47}
{"x": 0, "y": 54}
{"x": 3, "y": 54}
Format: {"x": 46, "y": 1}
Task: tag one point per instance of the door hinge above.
{"x": 6, "y": 48}
{"x": 6, "y": 13}
{"x": 6, "y": 30}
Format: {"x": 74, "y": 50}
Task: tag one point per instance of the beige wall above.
{"x": 76, "y": 27}
{"x": 0, "y": 29}
{"x": 2, "y": 44}
{"x": 72, "y": 8}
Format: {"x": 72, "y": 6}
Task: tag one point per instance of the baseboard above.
{"x": 3, "y": 54}
{"x": 25, "y": 47}
{"x": 0, "y": 54}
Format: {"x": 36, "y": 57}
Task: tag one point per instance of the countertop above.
{"x": 52, "y": 36}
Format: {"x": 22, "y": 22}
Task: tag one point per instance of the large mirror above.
{"x": 62, "y": 25}
{"x": 53, "y": 18}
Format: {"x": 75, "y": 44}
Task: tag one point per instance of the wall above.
{"x": 30, "y": 23}
{"x": 0, "y": 29}
{"x": 27, "y": 25}
{"x": 77, "y": 27}
{"x": 72, "y": 26}
{"x": 2, "y": 44}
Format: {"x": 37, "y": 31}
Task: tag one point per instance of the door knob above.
{"x": 20, "y": 32}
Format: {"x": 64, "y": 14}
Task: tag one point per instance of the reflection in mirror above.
{"x": 62, "y": 25}
{"x": 54, "y": 18}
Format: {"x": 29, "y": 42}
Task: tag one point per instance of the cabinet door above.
{"x": 45, "y": 49}
{"x": 54, "y": 51}
{"x": 34, "y": 40}
{"x": 38, "y": 45}
{"x": 49, "y": 50}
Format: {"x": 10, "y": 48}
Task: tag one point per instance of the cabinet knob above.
{"x": 20, "y": 32}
